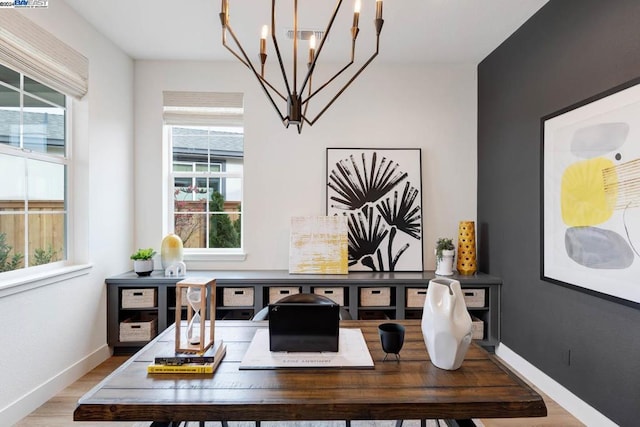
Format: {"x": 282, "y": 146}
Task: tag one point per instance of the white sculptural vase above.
{"x": 446, "y": 323}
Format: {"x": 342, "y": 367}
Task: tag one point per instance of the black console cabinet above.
{"x": 240, "y": 294}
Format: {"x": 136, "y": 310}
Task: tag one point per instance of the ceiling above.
{"x": 415, "y": 31}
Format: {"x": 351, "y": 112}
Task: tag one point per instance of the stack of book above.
{"x": 189, "y": 363}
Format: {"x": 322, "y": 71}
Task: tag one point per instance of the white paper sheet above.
{"x": 352, "y": 354}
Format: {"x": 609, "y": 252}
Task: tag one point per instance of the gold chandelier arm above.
{"x": 355, "y": 76}
{"x": 249, "y": 64}
{"x": 306, "y": 107}
{"x": 327, "y": 83}
{"x": 224, "y": 20}
{"x": 295, "y": 47}
{"x": 319, "y": 51}
{"x": 224, "y": 43}
{"x": 277, "y": 48}
{"x": 284, "y": 98}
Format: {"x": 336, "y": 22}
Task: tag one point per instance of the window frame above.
{"x": 30, "y": 277}
{"x": 201, "y": 254}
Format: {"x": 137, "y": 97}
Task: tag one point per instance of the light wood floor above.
{"x": 58, "y": 411}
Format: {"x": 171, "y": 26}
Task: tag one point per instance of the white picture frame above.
{"x": 590, "y": 202}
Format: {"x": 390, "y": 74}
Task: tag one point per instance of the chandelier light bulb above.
{"x": 263, "y": 40}
{"x": 356, "y": 13}
{"x": 312, "y": 48}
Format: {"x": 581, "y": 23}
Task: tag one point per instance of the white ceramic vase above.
{"x": 444, "y": 266}
{"x": 446, "y": 324}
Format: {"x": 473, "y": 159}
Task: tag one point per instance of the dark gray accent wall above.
{"x": 569, "y": 51}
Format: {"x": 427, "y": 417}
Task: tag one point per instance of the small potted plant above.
{"x": 445, "y": 252}
{"x": 143, "y": 261}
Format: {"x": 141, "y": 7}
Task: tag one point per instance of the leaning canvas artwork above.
{"x": 591, "y": 194}
{"x": 318, "y": 245}
{"x": 379, "y": 191}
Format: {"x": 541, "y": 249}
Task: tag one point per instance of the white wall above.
{"x": 432, "y": 107}
{"x": 54, "y": 334}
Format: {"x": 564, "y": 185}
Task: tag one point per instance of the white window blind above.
{"x": 203, "y": 108}
{"x": 28, "y": 48}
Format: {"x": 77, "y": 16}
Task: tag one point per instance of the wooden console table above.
{"x": 410, "y": 389}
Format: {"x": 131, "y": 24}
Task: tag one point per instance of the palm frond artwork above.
{"x": 356, "y": 187}
{"x": 379, "y": 190}
{"x": 404, "y": 216}
{"x": 365, "y": 237}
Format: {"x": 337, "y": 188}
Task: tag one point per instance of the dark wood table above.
{"x": 410, "y": 389}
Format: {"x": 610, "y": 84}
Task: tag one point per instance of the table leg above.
{"x": 423, "y": 423}
{"x": 179, "y": 423}
{"x": 460, "y": 423}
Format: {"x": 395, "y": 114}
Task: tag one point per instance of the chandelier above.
{"x": 293, "y": 96}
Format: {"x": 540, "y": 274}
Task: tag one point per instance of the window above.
{"x": 206, "y": 146}
{"x": 34, "y": 167}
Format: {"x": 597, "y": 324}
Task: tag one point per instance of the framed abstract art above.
{"x": 591, "y": 194}
{"x": 379, "y": 191}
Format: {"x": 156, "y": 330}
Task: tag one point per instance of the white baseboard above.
{"x": 30, "y": 401}
{"x": 569, "y": 401}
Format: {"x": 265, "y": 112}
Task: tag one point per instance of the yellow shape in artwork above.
{"x": 584, "y": 198}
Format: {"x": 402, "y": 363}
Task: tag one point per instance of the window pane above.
{"x": 231, "y": 191}
{"x": 224, "y": 230}
{"x": 46, "y": 184}
{"x": 44, "y": 92}
{"x": 44, "y": 127}
{"x": 9, "y": 76}
{"x": 191, "y": 205}
{"x": 192, "y": 229}
{"x": 11, "y": 242}
{"x": 187, "y": 189}
{"x": 9, "y": 116}
{"x": 47, "y": 217}
{"x": 189, "y": 144}
{"x": 46, "y": 237}
{"x": 12, "y": 170}
{"x": 224, "y": 221}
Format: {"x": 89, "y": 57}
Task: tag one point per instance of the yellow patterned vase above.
{"x": 467, "y": 248}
